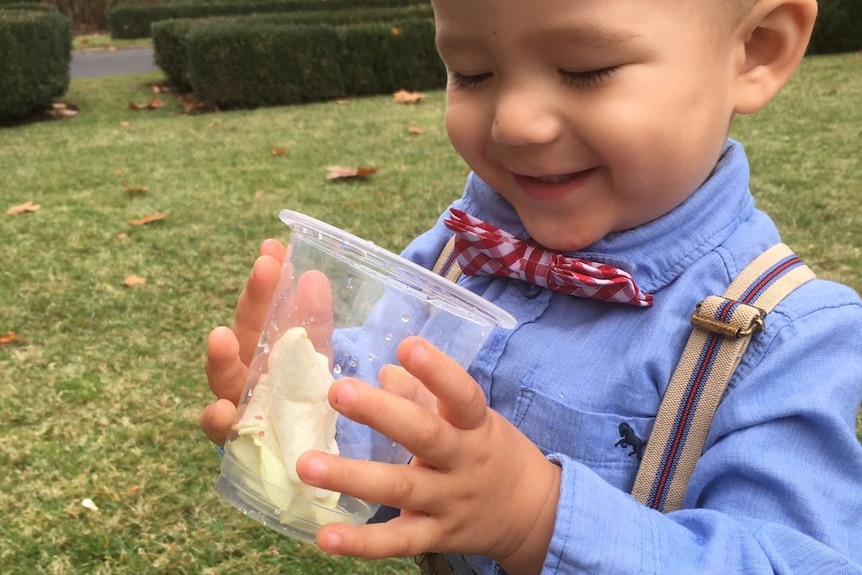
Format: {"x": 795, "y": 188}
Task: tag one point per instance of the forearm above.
{"x": 600, "y": 529}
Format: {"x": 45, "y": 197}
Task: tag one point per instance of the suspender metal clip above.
{"x": 753, "y": 324}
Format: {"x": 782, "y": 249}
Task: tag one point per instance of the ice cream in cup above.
{"x": 342, "y": 306}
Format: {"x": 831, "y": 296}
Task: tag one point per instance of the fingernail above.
{"x": 330, "y": 542}
{"x": 419, "y": 353}
{"x": 315, "y": 469}
{"x": 346, "y": 393}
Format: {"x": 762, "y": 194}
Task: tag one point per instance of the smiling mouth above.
{"x": 558, "y": 178}
{"x": 552, "y": 186}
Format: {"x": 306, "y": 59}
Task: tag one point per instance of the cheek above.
{"x": 451, "y": 121}
{"x": 463, "y": 126}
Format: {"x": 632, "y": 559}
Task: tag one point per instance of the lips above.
{"x": 556, "y": 179}
{"x": 550, "y": 187}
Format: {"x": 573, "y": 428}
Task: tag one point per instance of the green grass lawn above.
{"x": 102, "y": 393}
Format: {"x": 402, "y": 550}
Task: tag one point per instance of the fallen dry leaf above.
{"x": 396, "y": 31}
{"x": 65, "y": 113}
{"x": 24, "y": 208}
{"x": 62, "y": 110}
{"x": 153, "y": 104}
{"x": 279, "y": 151}
{"x": 191, "y": 104}
{"x": 341, "y": 101}
{"x": 258, "y": 194}
{"x": 124, "y": 124}
{"x": 134, "y": 280}
{"x": 148, "y": 219}
{"x": 134, "y": 190}
{"x": 213, "y": 124}
{"x": 9, "y": 337}
{"x": 157, "y": 88}
{"x": 413, "y": 130}
{"x": 118, "y": 172}
{"x": 405, "y": 97}
{"x": 340, "y": 172}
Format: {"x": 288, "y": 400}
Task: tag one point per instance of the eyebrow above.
{"x": 453, "y": 43}
{"x": 584, "y": 36}
{"x": 590, "y": 37}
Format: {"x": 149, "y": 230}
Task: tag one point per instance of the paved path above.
{"x": 111, "y": 62}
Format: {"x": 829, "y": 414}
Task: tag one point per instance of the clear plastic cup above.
{"x": 342, "y": 306}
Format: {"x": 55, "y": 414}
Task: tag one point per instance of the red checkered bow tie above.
{"x": 483, "y": 249}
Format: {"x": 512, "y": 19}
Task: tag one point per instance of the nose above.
{"x": 523, "y": 116}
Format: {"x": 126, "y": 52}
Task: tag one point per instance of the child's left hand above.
{"x": 476, "y": 484}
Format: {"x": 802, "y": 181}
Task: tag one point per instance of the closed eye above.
{"x": 587, "y": 77}
{"x": 462, "y": 82}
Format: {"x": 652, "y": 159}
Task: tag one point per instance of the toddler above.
{"x": 599, "y": 129}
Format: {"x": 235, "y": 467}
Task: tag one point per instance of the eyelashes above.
{"x": 462, "y": 82}
{"x": 587, "y": 78}
{"x": 579, "y": 79}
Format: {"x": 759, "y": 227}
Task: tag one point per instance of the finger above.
{"x": 225, "y": 371}
{"x": 274, "y": 249}
{"x": 420, "y": 431}
{"x": 401, "y": 383}
{"x": 460, "y": 399}
{"x": 398, "y": 537}
{"x": 216, "y": 420}
{"x": 400, "y": 486}
{"x": 253, "y": 305}
{"x": 314, "y": 303}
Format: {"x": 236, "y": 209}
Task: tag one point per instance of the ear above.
{"x": 774, "y": 36}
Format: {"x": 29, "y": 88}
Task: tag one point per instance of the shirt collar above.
{"x": 657, "y": 252}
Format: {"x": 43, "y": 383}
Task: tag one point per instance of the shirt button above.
{"x": 530, "y": 290}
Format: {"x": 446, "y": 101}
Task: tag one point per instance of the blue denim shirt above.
{"x": 778, "y": 488}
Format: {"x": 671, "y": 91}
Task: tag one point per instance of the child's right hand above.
{"x": 230, "y": 350}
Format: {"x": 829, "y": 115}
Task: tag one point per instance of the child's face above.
{"x": 588, "y": 116}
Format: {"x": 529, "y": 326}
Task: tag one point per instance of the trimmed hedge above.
{"x": 35, "y": 51}
{"x": 252, "y": 67}
{"x": 838, "y": 27}
{"x": 134, "y": 21}
{"x": 31, "y": 6}
{"x": 170, "y": 36}
{"x": 170, "y": 47}
{"x": 383, "y": 58}
{"x": 266, "y": 65}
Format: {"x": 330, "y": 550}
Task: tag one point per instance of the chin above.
{"x": 561, "y": 236}
{"x": 559, "y": 244}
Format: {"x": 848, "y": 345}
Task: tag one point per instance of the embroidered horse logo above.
{"x": 629, "y": 439}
